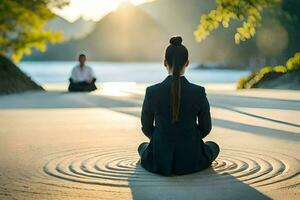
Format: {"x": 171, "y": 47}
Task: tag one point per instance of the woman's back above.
{"x": 175, "y": 117}
{"x": 175, "y": 147}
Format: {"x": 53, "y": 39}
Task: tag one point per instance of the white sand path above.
{"x": 56, "y": 145}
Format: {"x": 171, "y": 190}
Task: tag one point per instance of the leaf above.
{"x": 22, "y": 26}
{"x": 247, "y": 11}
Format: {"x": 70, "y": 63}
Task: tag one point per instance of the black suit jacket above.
{"x": 175, "y": 148}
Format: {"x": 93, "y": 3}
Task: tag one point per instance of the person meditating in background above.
{"x": 181, "y": 113}
{"x": 82, "y": 77}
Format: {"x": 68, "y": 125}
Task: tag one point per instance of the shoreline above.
{"x": 226, "y": 89}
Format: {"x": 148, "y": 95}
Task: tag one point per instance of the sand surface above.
{"x": 56, "y": 145}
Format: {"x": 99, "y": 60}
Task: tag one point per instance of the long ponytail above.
{"x": 176, "y": 57}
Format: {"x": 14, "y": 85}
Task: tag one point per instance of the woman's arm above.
{"x": 147, "y": 117}
{"x": 204, "y": 118}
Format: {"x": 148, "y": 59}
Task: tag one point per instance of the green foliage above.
{"x": 250, "y": 81}
{"x": 246, "y": 82}
{"x": 280, "y": 69}
{"x": 265, "y": 70}
{"x": 293, "y": 63}
{"x": 246, "y": 11}
{"x": 21, "y": 26}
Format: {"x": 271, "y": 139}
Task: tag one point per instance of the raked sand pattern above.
{"x": 83, "y": 146}
{"x": 121, "y": 168}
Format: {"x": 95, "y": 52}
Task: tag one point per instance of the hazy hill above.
{"x": 182, "y": 18}
{"x": 141, "y": 34}
{"x": 77, "y": 29}
{"x": 274, "y": 42}
{"x": 128, "y": 34}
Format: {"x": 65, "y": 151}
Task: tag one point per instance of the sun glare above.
{"x": 116, "y": 89}
{"x": 92, "y": 9}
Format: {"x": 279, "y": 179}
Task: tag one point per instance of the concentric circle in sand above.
{"x": 120, "y": 168}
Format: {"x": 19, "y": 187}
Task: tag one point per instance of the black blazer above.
{"x": 175, "y": 148}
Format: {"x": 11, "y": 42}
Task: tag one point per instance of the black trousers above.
{"x": 82, "y": 86}
{"x": 212, "y": 150}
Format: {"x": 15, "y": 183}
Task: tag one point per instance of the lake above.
{"x": 59, "y": 72}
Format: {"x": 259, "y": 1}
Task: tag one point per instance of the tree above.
{"x": 22, "y": 26}
{"x": 247, "y": 11}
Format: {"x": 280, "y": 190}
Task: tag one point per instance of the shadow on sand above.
{"x": 128, "y": 105}
{"x": 206, "y": 185}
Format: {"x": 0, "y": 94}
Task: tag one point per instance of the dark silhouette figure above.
{"x": 82, "y": 78}
{"x": 176, "y": 117}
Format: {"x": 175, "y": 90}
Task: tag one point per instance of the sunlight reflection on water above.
{"x": 59, "y": 72}
{"x": 116, "y": 89}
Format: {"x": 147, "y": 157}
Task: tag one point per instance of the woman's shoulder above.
{"x": 153, "y": 87}
{"x": 197, "y": 88}
{"x": 160, "y": 86}
{"x": 157, "y": 89}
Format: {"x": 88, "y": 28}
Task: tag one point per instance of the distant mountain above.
{"x": 274, "y": 42}
{"x": 182, "y": 18}
{"x": 77, "y": 29}
{"x": 127, "y": 34}
{"x": 142, "y": 33}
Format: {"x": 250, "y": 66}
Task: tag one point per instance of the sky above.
{"x": 91, "y": 9}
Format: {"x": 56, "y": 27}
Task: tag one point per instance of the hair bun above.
{"x": 176, "y": 41}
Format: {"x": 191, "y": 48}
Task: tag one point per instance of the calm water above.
{"x": 59, "y": 72}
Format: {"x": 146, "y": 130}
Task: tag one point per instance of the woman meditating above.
{"x": 176, "y": 117}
